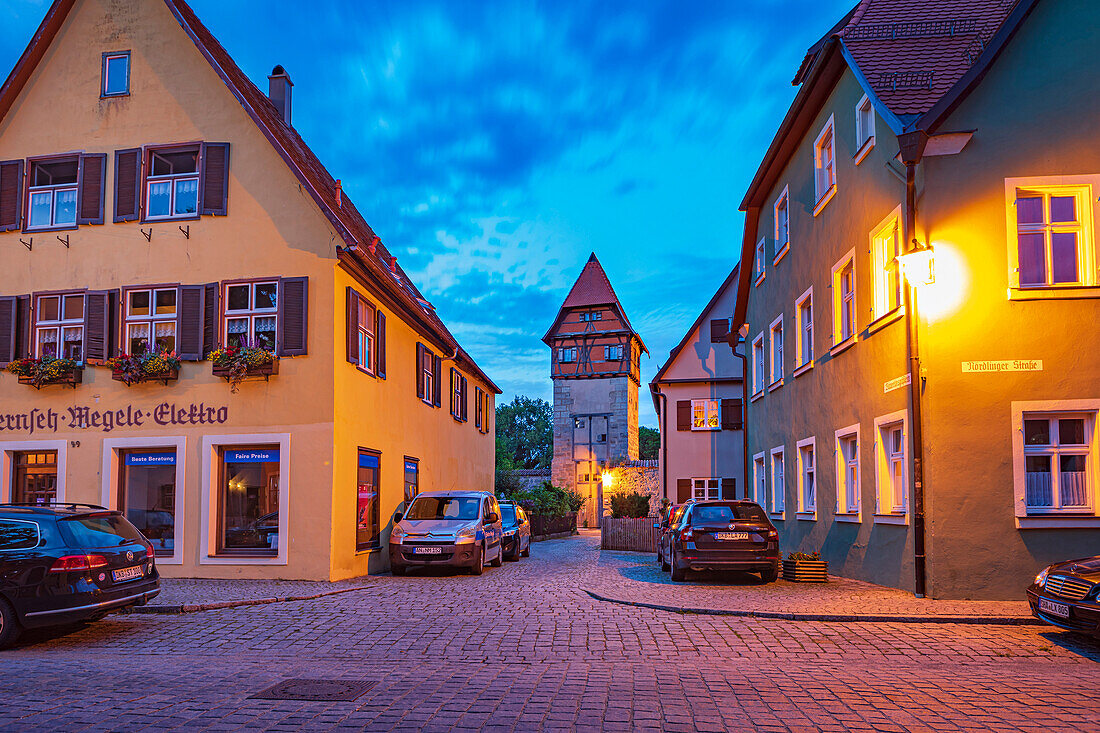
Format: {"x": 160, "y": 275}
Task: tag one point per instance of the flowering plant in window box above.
{"x": 152, "y": 365}
{"x": 234, "y": 363}
{"x": 805, "y": 567}
{"x": 47, "y": 370}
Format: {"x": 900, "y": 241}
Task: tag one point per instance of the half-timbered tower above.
{"x": 594, "y": 362}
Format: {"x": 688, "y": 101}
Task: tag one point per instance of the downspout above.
{"x": 912, "y": 149}
{"x": 744, "y": 423}
{"x": 664, "y": 442}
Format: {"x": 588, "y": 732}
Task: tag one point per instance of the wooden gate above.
{"x": 629, "y": 533}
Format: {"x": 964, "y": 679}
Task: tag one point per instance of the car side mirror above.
{"x": 397, "y": 517}
{"x": 492, "y": 517}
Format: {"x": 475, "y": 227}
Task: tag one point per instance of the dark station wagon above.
{"x": 1067, "y": 595}
{"x": 724, "y": 535}
{"x": 63, "y": 563}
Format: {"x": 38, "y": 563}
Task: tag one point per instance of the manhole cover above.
{"x": 320, "y": 690}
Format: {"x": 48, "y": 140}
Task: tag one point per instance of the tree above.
{"x": 649, "y": 443}
{"x": 525, "y": 434}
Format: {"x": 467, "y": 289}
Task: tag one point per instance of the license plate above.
{"x": 731, "y": 535}
{"x": 128, "y": 574}
{"x": 427, "y": 550}
{"x": 1058, "y": 609}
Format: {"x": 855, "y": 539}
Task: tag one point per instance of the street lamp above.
{"x": 918, "y": 265}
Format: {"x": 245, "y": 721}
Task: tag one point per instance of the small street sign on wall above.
{"x": 896, "y": 383}
{"x": 1012, "y": 365}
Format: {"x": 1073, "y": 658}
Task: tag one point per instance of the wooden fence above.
{"x": 546, "y": 526}
{"x": 632, "y": 534}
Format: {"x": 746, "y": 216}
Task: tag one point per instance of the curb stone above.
{"x": 198, "y": 607}
{"x": 845, "y": 617}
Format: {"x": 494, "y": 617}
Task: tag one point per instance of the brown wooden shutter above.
{"x": 380, "y": 343}
{"x": 293, "y": 316}
{"x": 214, "y": 196}
{"x": 719, "y": 330}
{"x": 683, "y": 490}
{"x": 731, "y": 415}
{"x": 127, "y": 184}
{"x": 114, "y": 316}
{"x": 683, "y": 414}
{"x": 729, "y": 488}
{"x": 477, "y": 407}
{"x": 191, "y": 322}
{"x": 93, "y": 179}
{"x": 11, "y": 199}
{"x": 96, "y": 325}
{"x": 353, "y": 325}
{"x": 211, "y": 313}
{"x": 420, "y": 371}
{"x": 23, "y": 326}
{"x": 465, "y": 401}
{"x": 9, "y": 314}
{"x": 437, "y": 380}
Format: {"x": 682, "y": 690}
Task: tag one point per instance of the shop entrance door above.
{"x": 35, "y": 477}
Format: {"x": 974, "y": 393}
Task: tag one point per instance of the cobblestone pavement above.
{"x": 524, "y": 648}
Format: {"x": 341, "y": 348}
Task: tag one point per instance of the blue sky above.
{"x": 494, "y": 144}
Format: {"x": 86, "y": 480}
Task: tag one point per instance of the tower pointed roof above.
{"x": 593, "y": 288}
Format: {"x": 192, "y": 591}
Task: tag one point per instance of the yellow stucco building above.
{"x": 152, "y": 198}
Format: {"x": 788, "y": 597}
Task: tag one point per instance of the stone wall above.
{"x": 642, "y": 477}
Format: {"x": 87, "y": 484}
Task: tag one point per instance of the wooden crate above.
{"x": 806, "y": 571}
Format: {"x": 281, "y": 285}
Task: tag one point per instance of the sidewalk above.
{"x": 188, "y": 595}
{"x": 635, "y": 579}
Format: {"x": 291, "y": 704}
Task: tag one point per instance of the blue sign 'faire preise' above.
{"x": 368, "y": 461}
{"x": 150, "y": 459}
{"x": 268, "y": 455}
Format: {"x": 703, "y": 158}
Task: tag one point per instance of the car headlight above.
{"x": 1042, "y": 577}
{"x": 397, "y": 533}
{"x": 510, "y": 533}
{"x": 466, "y": 534}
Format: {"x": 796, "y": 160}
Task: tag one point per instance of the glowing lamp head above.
{"x": 918, "y": 265}
{"x": 608, "y": 479}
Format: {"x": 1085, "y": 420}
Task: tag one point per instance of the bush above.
{"x": 629, "y": 505}
{"x": 796, "y": 556}
{"x": 546, "y": 500}
{"x": 507, "y": 483}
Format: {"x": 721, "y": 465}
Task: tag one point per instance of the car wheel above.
{"x": 499, "y": 559}
{"x": 664, "y": 564}
{"x": 9, "y": 625}
{"x": 527, "y": 552}
{"x": 478, "y": 566}
{"x": 678, "y": 573}
{"x": 770, "y": 575}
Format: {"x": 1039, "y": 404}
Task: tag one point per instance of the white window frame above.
{"x": 849, "y": 506}
{"x": 804, "y": 343}
{"x": 782, "y": 235}
{"x": 173, "y": 180}
{"x": 886, "y": 280}
{"x": 9, "y": 448}
{"x": 807, "y": 509}
{"x": 759, "y": 362}
{"x": 760, "y": 479}
{"x": 886, "y": 511}
{"x": 456, "y": 394}
{"x": 843, "y": 306}
{"x": 52, "y": 191}
{"x": 825, "y": 184}
{"x": 427, "y": 372}
{"x": 60, "y": 325}
{"x": 1083, "y": 187}
{"x": 152, "y": 320}
{"x": 570, "y": 351}
{"x": 775, "y": 351}
{"x": 365, "y": 334}
{"x": 777, "y": 500}
{"x": 252, "y": 313}
{"x": 208, "y": 528}
{"x": 1077, "y": 518}
{"x": 761, "y": 264}
{"x": 108, "y": 495}
{"x": 865, "y": 134}
{"x": 707, "y": 485}
{"x": 711, "y": 408}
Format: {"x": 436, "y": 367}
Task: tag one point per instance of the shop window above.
{"x": 172, "y": 183}
{"x": 150, "y": 320}
{"x": 34, "y": 477}
{"x": 116, "y": 74}
{"x": 367, "y": 534}
{"x": 147, "y": 495}
{"x": 412, "y": 479}
{"x": 52, "y": 196}
{"x": 248, "y": 501}
{"x": 59, "y": 326}
{"x": 251, "y": 314}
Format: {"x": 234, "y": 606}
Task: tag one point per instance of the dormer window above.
{"x": 52, "y": 194}
{"x": 116, "y": 74}
{"x": 172, "y": 185}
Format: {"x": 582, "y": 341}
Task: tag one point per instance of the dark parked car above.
{"x": 669, "y": 516}
{"x": 724, "y": 535}
{"x": 1067, "y": 595}
{"x": 65, "y": 563}
{"x": 517, "y": 531}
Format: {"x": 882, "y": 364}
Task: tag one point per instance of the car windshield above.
{"x": 706, "y": 513}
{"x": 508, "y": 514}
{"x": 463, "y": 508}
{"x": 99, "y": 530}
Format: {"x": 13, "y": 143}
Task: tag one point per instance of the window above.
{"x": 807, "y": 474}
{"x": 59, "y": 326}
{"x": 760, "y": 260}
{"x": 412, "y": 478}
{"x": 566, "y": 356}
{"x": 824, "y": 165}
{"x": 758, "y": 364}
{"x": 779, "y": 486}
{"x": 366, "y": 327}
{"x": 1053, "y": 238}
{"x": 776, "y": 342}
{"x": 150, "y": 320}
{"x": 34, "y": 477}
{"x": 251, "y": 314}
{"x": 147, "y": 495}
{"x": 758, "y": 480}
{"x": 458, "y": 396}
{"x": 804, "y": 346}
{"x": 427, "y": 375}
{"x": 847, "y": 470}
{"x": 52, "y": 194}
{"x": 885, "y": 248}
{"x": 116, "y": 74}
{"x": 706, "y": 488}
{"x": 1057, "y": 449}
{"x": 248, "y": 501}
{"x": 172, "y": 183}
{"x": 578, "y": 423}
{"x": 782, "y": 223}
{"x": 367, "y": 534}
{"x": 16, "y": 534}
{"x": 706, "y": 414}
{"x": 844, "y": 299}
{"x": 891, "y": 466}
{"x": 613, "y": 353}
{"x": 865, "y": 128}
{"x": 587, "y": 316}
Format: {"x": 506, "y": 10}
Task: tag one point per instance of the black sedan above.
{"x": 517, "y": 531}
{"x": 1067, "y": 595}
{"x": 65, "y": 563}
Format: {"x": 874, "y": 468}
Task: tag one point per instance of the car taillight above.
{"x": 151, "y": 551}
{"x": 773, "y": 535}
{"x": 686, "y": 535}
{"x": 71, "y": 563}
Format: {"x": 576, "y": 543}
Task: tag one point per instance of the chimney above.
{"x": 279, "y": 91}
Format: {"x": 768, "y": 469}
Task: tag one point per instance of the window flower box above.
{"x": 800, "y": 567}
{"x": 234, "y": 364}
{"x": 38, "y": 373}
{"x": 163, "y": 366}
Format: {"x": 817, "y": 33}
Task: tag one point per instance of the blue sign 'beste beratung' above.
{"x": 150, "y": 459}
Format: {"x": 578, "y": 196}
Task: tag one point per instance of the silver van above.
{"x": 448, "y": 528}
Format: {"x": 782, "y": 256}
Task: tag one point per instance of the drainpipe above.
{"x": 664, "y": 442}
{"x": 912, "y": 149}
{"x": 744, "y": 421}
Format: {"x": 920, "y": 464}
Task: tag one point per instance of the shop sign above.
{"x": 411, "y": 466}
{"x": 96, "y": 418}
{"x": 252, "y": 456}
{"x": 896, "y": 383}
{"x": 1012, "y": 365}
{"x": 150, "y": 459}
{"x": 368, "y": 461}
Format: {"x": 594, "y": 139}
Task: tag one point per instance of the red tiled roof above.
{"x": 593, "y": 288}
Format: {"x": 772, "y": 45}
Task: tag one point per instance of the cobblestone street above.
{"x": 523, "y": 647}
